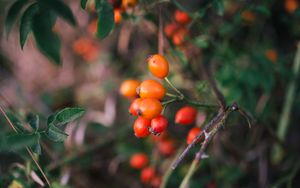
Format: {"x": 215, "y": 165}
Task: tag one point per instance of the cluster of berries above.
{"x": 148, "y": 106}
{"x": 177, "y": 31}
{"x": 86, "y": 48}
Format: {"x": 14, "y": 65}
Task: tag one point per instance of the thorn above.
{"x": 206, "y": 134}
{"x": 204, "y": 156}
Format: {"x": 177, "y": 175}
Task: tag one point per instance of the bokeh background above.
{"x": 251, "y": 48}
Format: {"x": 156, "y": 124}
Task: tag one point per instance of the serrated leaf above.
{"x": 26, "y": 22}
{"x": 65, "y": 116}
{"x": 13, "y": 13}
{"x": 61, "y": 9}
{"x": 106, "y": 21}
{"x": 47, "y": 41}
{"x": 55, "y": 134}
{"x": 33, "y": 121}
{"x": 18, "y": 141}
{"x": 16, "y": 122}
{"x": 83, "y": 3}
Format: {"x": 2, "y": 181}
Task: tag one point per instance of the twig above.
{"x": 27, "y": 148}
{"x": 160, "y": 33}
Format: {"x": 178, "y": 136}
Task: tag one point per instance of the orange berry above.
{"x": 291, "y": 5}
{"x": 170, "y": 29}
{"x": 158, "y": 65}
{"x": 139, "y": 160}
{"x": 92, "y": 27}
{"x": 248, "y": 16}
{"x": 128, "y": 3}
{"x": 134, "y": 107}
{"x": 128, "y": 88}
{"x": 149, "y": 108}
{"x": 147, "y": 174}
{"x": 179, "y": 37}
{"x": 81, "y": 45}
{"x": 186, "y": 115}
{"x": 151, "y": 89}
{"x": 92, "y": 54}
{"x": 271, "y": 55}
{"x": 166, "y": 147}
{"x": 118, "y": 16}
{"x": 182, "y": 17}
{"x": 141, "y": 127}
{"x": 192, "y": 135}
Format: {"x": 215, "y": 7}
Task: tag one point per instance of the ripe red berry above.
{"x": 133, "y": 109}
{"x": 186, "y": 115}
{"x": 139, "y": 160}
{"x": 182, "y": 17}
{"x": 158, "y": 124}
{"x": 192, "y": 135}
{"x": 166, "y": 147}
{"x": 141, "y": 127}
{"x": 156, "y": 181}
{"x": 147, "y": 174}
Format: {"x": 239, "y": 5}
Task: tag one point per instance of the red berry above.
{"x": 141, "y": 127}
{"x": 186, "y": 115}
{"x": 139, "y": 160}
{"x": 192, "y": 135}
{"x": 158, "y": 124}
{"x": 147, "y": 174}
{"x": 134, "y": 107}
{"x": 156, "y": 181}
{"x": 166, "y": 147}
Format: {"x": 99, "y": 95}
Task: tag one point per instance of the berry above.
{"x": 151, "y": 89}
{"x": 158, "y": 124}
{"x": 291, "y": 5}
{"x": 170, "y": 29}
{"x": 133, "y": 109}
{"x": 179, "y": 37}
{"x": 166, "y": 147}
{"x": 92, "y": 27}
{"x": 186, "y": 115}
{"x": 192, "y": 135}
{"x": 182, "y": 17}
{"x": 128, "y": 88}
{"x": 158, "y": 65}
{"x": 271, "y": 55}
{"x": 156, "y": 181}
{"x": 139, "y": 160}
{"x": 149, "y": 108}
{"x": 118, "y": 16}
{"x": 128, "y": 3}
{"x": 141, "y": 127}
{"x": 147, "y": 174}
{"x": 248, "y": 16}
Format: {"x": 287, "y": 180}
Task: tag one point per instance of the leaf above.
{"x": 106, "y": 21}
{"x": 83, "y": 3}
{"x": 65, "y": 116}
{"x": 55, "y": 134}
{"x": 12, "y": 14}
{"x": 16, "y": 122}
{"x": 36, "y": 148}
{"x": 33, "y": 121}
{"x": 218, "y": 5}
{"x": 26, "y": 22}
{"x": 61, "y": 9}
{"x": 47, "y": 41}
{"x": 18, "y": 141}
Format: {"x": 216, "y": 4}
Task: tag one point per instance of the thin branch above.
{"x": 160, "y": 32}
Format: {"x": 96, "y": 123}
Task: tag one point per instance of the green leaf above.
{"x": 218, "y": 5}
{"x": 18, "y": 141}
{"x": 61, "y": 9}
{"x": 55, "y": 134}
{"x": 65, "y": 116}
{"x": 83, "y": 3}
{"x": 12, "y": 14}
{"x": 26, "y": 22}
{"x": 47, "y": 41}
{"x": 33, "y": 121}
{"x": 106, "y": 20}
{"x": 16, "y": 122}
{"x": 201, "y": 41}
{"x": 36, "y": 148}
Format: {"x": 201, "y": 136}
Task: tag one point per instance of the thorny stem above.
{"x": 27, "y": 148}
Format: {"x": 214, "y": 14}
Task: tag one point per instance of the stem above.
{"x": 188, "y": 176}
{"x": 174, "y": 88}
{"x": 27, "y": 148}
{"x": 198, "y": 104}
{"x": 171, "y": 95}
{"x": 168, "y": 102}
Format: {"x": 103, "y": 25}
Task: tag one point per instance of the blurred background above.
{"x": 251, "y": 48}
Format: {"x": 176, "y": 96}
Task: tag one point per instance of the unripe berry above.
{"x": 186, "y": 115}
{"x": 158, "y": 65}
{"x": 149, "y": 108}
{"x": 141, "y": 127}
{"x": 139, "y": 160}
{"x": 158, "y": 124}
{"x": 151, "y": 89}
